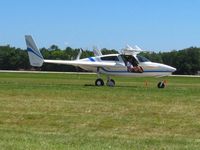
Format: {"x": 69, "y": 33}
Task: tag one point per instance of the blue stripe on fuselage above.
{"x": 91, "y": 59}
{"x": 131, "y": 72}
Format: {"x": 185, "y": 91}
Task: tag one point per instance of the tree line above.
{"x": 187, "y": 61}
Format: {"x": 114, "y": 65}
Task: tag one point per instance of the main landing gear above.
{"x": 110, "y": 82}
{"x": 100, "y": 82}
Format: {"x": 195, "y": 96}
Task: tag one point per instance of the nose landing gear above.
{"x": 161, "y": 84}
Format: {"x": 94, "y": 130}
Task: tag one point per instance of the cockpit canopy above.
{"x": 142, "y": 59}
{"x": 110, "y": 58}
{"x": 137, "y": 58}
{"x": 125, "y": 58}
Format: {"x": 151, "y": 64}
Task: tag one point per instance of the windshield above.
{"x": 142, "y": 59}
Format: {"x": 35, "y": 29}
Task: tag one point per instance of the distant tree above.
{"x": 23, "y": 61}
{"x": 53, "y": 47}
{"x": 152, "y": 56}
{"x": 87, "y": 54}
{"x": 189, "y": 60}
{"x": 107, "y": 51}
{"x": 186, "y": 61}
{"x": 12, "y": 58}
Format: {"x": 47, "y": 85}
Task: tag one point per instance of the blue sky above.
{"x": 158, "y": 25}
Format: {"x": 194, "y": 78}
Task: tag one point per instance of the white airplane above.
{"x": 127, "y": 63}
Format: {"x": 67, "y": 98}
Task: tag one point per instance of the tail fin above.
{"x": 35, "y": 57}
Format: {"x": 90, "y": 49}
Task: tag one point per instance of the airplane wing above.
{"x": 83, "y": 63}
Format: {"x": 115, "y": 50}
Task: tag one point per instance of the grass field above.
{"x": 58, "y": 111}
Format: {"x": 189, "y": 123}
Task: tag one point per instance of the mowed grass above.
{"x": 65, "y": 111}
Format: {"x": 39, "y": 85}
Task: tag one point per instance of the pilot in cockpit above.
{"x": 132, "y": 65}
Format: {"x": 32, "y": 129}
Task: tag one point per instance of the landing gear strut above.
{"x": 161, "y": 85}
{"x": 99, "y": 81}
{"x": 110, "y": 82}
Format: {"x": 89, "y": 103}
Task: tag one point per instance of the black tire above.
{"x": 111, "y": 82}
{"x": 161, "y": 85}
{"x": 99, "y": 82}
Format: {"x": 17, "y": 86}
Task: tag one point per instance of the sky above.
{"x": 158, "y": 25}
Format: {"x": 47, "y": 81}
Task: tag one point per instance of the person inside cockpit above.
{"x": 129, "y": 66}
{"x": 132, "y": 65}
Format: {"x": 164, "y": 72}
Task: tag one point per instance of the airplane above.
{"x": 126, "y": 63}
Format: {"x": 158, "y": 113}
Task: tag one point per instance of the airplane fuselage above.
{"x": 148, "y": 68}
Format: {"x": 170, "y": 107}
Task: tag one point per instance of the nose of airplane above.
{"x": 171, "y": 69}
{"x": 163, "y": 67}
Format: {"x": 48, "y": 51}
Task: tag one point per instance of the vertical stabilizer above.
{"x": 35, "y": 57}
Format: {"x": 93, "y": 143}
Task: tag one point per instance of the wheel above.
{"x": 99, "y": 82}
{"x": 110, "y": 82}
{"x": 161, "y": 85}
